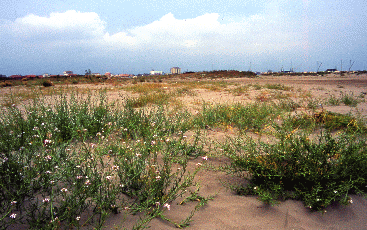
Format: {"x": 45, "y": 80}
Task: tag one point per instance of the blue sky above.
{"x": 50, "y": 36}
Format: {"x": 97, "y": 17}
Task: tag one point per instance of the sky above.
{"x": 123, "y": 36}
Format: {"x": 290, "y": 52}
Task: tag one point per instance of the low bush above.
{"x": 324, "y": 119}
{"x": 317, "y": 172}
{"x": 6, "y": 84}
{"x": 47, "y": 83}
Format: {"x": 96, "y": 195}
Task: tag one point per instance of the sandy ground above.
{"x": 230, "y": 211}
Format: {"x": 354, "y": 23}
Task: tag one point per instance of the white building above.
{"x": 154, "y": 72}
{"x": 68, "y": 73}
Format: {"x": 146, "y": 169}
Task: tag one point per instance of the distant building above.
{"x": 153, "y": 72}
{"x": 46, "y": 75}
{"x": 175, "y": 70}
{"x": 68, "y": 73}
{"x": 95, "y": 74}
{"x": 108, "y": 74}
{"x": 124, "y": 75}
{"x": 16, "y": 77}
{"x": 331, "y": 70}
{"x": 2, "y": 75}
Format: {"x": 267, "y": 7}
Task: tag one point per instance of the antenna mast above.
{"x": 350, "y": 64}
{"x": 318, "y": 66}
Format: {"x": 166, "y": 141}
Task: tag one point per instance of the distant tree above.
{"x": 88, "y": 72}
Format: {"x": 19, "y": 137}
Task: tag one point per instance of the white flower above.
{"x": 167, "y": 206}
{"x": 13, "y": 202}
{"x": 46, "y": 141}
{"x": 205, "y": 158}
{"x": 115, "y": 167}
{"x": 351, "y": 201}
{"x": 108, "y": 177}
{"x": 198, "y": 164}
{"x": 56, "y": 219}
{"x": 64, "y": 190}
{"x": 77, "y": 218}
{"x": 157, "y": 177}
{"x": 46, "y": 200}
{"x": 13, "y": 215}
{"x": 255, "y": 188}
{"x": 87, "y": 183}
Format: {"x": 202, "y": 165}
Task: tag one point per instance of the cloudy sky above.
{"x": 125, "y": 36}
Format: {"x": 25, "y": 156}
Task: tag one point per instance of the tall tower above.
{"x": 175, "y": 70}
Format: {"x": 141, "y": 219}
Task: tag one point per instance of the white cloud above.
{"x": 206, "y": 33}
{"x": 266, "y": 32}
{"x": 59, "y": 26}
{"x": 190, "y": 43}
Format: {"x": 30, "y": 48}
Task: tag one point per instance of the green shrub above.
{"x": 316, "y": 172}
{"x": 328, "y": 120}
{"x": 47, "y": 83}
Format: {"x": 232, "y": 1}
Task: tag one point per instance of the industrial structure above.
{"x": 175, "y": 70}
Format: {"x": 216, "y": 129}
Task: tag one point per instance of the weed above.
{"x": 278, "y": 87}
{"x": 333, "y": 100}
{"x": 239, "y": 90}
{"x": 252, "y": 116}
{"x": 349, "y": 100}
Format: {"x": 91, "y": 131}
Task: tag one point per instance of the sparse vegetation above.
{"x": 70, "y": 158}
